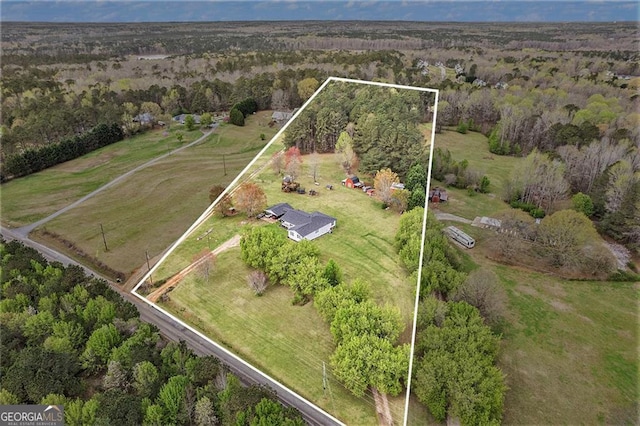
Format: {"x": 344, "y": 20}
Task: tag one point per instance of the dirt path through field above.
{"x": 382, "y": 408}
{"x": 175, "y": 280}
{"x": 452, "y": 217}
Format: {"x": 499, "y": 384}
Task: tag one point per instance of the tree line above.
{"x": 379, "y": 124}
{"x": 33, "y": 160}
{"x": 69, "y": 339}
{"x": 454, "y": 374}
{"x": 367, "y": 354}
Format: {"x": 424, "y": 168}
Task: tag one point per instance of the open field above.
{"x": 259, "y": 328}
{"x": 569, "y": 348}
{"x": 474, "y": 148}
{"x": 156, "y": 205}
{"x": 31, "y": 198}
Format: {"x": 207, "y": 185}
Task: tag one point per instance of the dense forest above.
{"x": 380, "y": 125}
{"x": 566, "y": 91}
{"x": 70, "y": 339}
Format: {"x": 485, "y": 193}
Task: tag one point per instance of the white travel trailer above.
{"x": 460, "y": 237}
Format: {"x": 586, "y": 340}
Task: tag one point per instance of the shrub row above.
{"x": 535, "y": 212}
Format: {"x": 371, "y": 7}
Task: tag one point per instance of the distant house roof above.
{"x": 281, "y": 116}
{"x": 180, "y": 118}
{"x": 279, "y": 209}
{"x": 305, "y": 223}
{"x": 143, "y": 118}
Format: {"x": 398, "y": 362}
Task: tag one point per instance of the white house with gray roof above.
{"x": 301, "y": 225}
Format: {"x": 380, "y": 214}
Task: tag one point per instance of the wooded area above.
{"x": 69, "y": 339}
{"x": 568, "y": 92}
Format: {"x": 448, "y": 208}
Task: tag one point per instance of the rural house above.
{"x": 301, "y": 225}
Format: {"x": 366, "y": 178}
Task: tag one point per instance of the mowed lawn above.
{"x": 291, "y": 342}
{"x": 152, "y": 208}
{"x": 288, "y": 342}
{"x": 474, "y": 148}
{"x": 570, "y": 348}
{"x": 31, "y": 198}
{"x": 570, "y": 351}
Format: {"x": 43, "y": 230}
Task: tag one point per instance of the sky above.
{"x": 277, "y": 10}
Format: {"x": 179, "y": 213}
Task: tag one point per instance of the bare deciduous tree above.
{"x": 250, "y": 199}
{"x": 277, "y": 162}
{"x": 482, "y": 290}
{"x": 257, "y": 281}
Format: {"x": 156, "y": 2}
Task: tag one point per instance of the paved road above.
{"x": 176, "y": 332}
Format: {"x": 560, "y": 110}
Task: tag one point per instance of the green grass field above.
{"x": 474, "y": 148}
{"x": 30, "y": 198}
{"x": 570, "y": 348}
{"x": 285, "y": 341}
{"x": 259, "y": 328}
{"x": 152, "y": 208}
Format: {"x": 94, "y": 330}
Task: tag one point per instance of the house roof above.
{"x": 296, "y": 217}
{"x": 281, "y": 115}
{"x": 279, "y": 209}
{"x": 146, "y": 117}
{"x": 306, "y": 223}
{"x": 180, "y": 118}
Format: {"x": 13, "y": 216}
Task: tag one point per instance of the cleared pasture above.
{"x": 31, "y": 198}
{"x": 152, "y": 208}
{"x": 260, "y": 328}
{"x": 570, "y": 349}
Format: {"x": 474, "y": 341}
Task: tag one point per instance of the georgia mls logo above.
{"x": 31, "y": 415}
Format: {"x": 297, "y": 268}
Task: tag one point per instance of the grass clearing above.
{"x": 152, "y": 208}
{"x": 474, "y": 148}
{"x": 31, "y": 198}
{"x": 260, "y": 329}
{"x": 570, "y": 349}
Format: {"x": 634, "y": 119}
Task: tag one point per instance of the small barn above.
{"x": 438, "y": 195}
{"x": 352, "y": 182}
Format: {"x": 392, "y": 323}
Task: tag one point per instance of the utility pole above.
{"x": 324, "y": 378}
{"x": 146, "y": 253}
{"x": 104, "y": 240}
